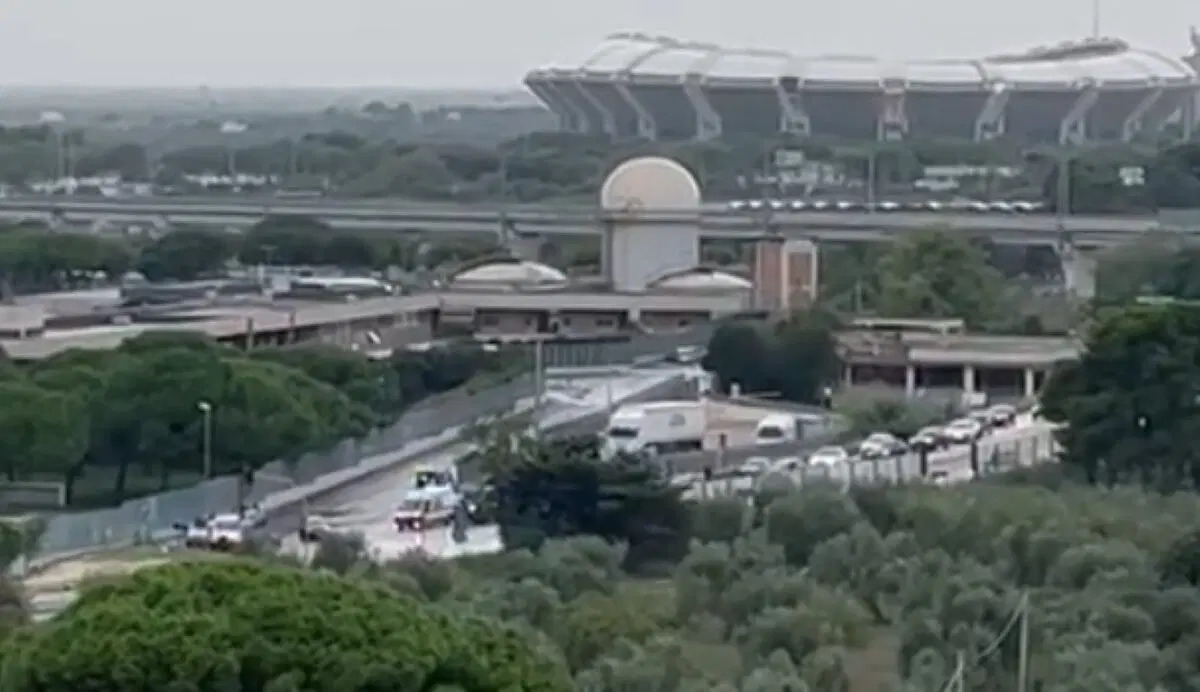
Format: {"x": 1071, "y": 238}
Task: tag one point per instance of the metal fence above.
{"x": 70, "y": 533}
{"x": 594, "y": 353}
{"x": 984, "y": 458}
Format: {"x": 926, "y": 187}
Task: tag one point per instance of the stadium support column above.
{"x": 892, "y": 124}
{"x": 990, "y": 123}
{"x": 1191, "y": 114}
{"x": 1073, "y": 128}
{"x": 708, "y": 122}
{"x": 1136, "y": 122}
{"x": 573, "y": 118}
{"x": 608, "y": 123}
{"x": 793, "y": 119}
{"x": 647, "y": 128}
{"x": 1079, "y": 271}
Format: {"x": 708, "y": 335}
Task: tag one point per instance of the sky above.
{"x": 490, "y": 44}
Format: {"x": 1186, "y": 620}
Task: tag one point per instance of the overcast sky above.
{"x": 492, "y": 43}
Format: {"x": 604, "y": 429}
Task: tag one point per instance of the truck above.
{"x": 658, "y": 427}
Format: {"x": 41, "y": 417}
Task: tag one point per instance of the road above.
{"x": 715, "y": 219}
{"x": 368, "y": 509}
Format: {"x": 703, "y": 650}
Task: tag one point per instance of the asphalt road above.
{"x": 367, "y": 509}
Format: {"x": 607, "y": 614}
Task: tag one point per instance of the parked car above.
{"x": 1002, "y": 415}
{"x": 928, "y": 439}
{"x": 963, "y": 431}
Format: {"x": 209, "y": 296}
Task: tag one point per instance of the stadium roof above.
{"x": 1100, "y": 61}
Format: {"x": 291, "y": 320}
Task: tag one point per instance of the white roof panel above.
{"x": 616, "y": 55}
{"x": 865, "y": 70}
{"x": 943, "y": 72}
{"x": 672, "y": 61}
{"x": 751, "y": 66}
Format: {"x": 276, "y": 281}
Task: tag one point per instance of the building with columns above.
{"x": 950, "y": 359}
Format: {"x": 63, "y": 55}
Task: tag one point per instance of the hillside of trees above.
{"x": 611, "y": 582}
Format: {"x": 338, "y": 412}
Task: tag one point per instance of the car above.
{"x": 939, "y": 478}
{"x": 881, "y": 445}
{"x": 963, "y": 431}
{"x": 754, "y": 466}
{"x": 983, "y": 417}
{"x": 787, "y": 464}
{"x": 195, "y": 534}
{"x": 253, "y": 517}
{"x": 928, "y": 439}
{"x": 687, "y": 355}
{"x": 1002, "y": 415}
{"x": 427, "y": 507}
{"x": 434, "y": 478}
{"x": 226, "y": 531}
{"x": 829, "y": 456}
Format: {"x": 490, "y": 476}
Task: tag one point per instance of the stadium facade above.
{"x": 658, "y": 88}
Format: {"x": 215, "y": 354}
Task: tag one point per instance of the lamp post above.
{"x": 206, "y": 410}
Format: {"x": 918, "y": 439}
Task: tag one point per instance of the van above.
{"x": 776, "y": 428}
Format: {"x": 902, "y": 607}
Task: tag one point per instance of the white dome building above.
{"x": 701, "y": 280}
{"x": 509, "y": 274}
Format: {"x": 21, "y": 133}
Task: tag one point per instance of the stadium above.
{"x": 1095, "y": 90}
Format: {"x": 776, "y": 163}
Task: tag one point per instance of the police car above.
{"x": 427, "y": 507}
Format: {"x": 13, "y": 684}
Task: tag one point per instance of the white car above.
{"x": 226, "y": 531}
{"x": 829, "y": 456}
{"x": 754, "y": 466}
{"x": 880, "y": 445}
{"x": 963, "y": 431}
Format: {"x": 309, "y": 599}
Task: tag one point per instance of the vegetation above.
{"x": 233, "y": 626}
{"x": 388, "y": 151}
{"x": 118, "y": 423}
{"x": 611, "y": 579}
{"x": 793, "y": 358}
{"x": 1132, "y": 402}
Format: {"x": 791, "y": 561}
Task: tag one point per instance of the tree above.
{"x": 41, "y": 431}
{"x": 186, "y": 254}
{"x": 249, "y": 627}
{"x": 793, "y": 358}
{"x": 560, "y": 488}
{"x": 1130, "y": 402}
{"x": 936, "y": 274}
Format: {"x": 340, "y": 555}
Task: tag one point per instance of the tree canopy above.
{"x": 1132, "y": 402}
{"x": 235, "y": 626}
{"x": 125, "y": 422}
{"x": 793, "y": 358}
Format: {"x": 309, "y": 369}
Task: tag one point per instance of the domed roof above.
{"x": 511, "y": 272}
{"x": 702, "y": 279}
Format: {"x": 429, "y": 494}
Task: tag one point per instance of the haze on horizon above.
{"x": 460, "y": 44}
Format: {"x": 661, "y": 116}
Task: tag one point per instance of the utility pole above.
{"x": 1095, "y": 18}
{"x": 1023, "y": 645}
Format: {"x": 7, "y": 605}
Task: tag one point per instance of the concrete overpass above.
{"x": 716, "y": 220}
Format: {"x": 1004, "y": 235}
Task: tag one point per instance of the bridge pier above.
{"x": 1079, "y": 270}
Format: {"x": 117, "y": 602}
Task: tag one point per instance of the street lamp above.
{"x": 230, "y": 129}
{"x": 55, "y": 121}
{"x": 206, "y": 410}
